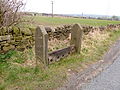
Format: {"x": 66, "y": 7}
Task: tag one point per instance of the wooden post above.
{"x": 76, "y": 37}
{"x": 41, "y": 45}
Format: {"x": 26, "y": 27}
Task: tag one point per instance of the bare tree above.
{"x": 9, "y": 12}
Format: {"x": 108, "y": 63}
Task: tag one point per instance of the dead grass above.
{"x": 57, "y": 44}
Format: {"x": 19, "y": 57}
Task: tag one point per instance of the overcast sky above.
{"x": 101, "y": 7}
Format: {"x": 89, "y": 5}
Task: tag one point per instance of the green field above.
{"x": 37, "y": 20}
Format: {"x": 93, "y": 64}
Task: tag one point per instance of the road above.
{"x": 109, "y": 79}
{"x": 103, "y": 75}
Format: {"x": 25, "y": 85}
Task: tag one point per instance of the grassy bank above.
{"x": 18, "y": 71}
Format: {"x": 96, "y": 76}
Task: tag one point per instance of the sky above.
{"x": 98, "y": 7}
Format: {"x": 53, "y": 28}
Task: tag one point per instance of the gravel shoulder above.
{"x": 81, "y": 80}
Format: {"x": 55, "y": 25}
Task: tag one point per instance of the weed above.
{"x": 4, "y": 57}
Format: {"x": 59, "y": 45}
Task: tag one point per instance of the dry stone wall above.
{"x": 16, "y": 38}
{"x": 63, "y": 32}
{"x": 21, "y": 38}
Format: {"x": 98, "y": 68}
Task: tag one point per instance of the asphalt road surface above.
{"x": 109, "y": 79}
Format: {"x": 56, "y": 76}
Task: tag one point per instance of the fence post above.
{"x": 41, "y": 45}
{"x": 76, "y": 37}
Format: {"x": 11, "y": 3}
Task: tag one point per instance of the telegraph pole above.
{"x": 52, "y": 9}
{"x": 82, "y": 14}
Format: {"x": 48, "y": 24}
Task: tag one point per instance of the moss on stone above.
{"x": 16, "y": 30}
{"x": 26, "y": 31}
{"x": 8, "y": 47}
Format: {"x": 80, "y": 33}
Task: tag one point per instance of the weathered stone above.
{"x": 3, "y": 38}
{"x": 19, "y": 38}
{"x": 6, "y": 44}
{"x": 10, "y": 41}
{"x": 58, "y": 54}
{"x": 41, "y": 45}
{"x": 15, "y": 43}
{"x": 8, "y": 47}
{"x": 49, "y": 29}
{"x": 20, "y": 48}
{"x": 27, "y": 38}
{"x": 3, "y": 42}
{"x": 76, "y": 37}
{"x": 3, "y": 31}
{"x": 28, "y": 46}
{"x": 26, "y": 32}
{"x": 15, "y": 30}
{"x": 32, "y": 30}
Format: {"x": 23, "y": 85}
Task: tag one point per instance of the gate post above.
{"x": 41, "y": 45}
{"x": 76, "y": 37}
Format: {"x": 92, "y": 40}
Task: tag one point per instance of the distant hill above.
{"x": 87, "y": 15}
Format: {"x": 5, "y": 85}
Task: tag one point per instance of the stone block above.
{"x": 41, "y": 45}
{"x": 21, "y": 47}
{"x": 76, "y": 37}
{"x": 8, "y": 47}
{"x": 4, "y": 38}
{"x": 15, "y": 31}
{"x": 26, "y": 32}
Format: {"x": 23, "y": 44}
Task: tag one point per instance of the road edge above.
{"x": 76, "y": 81}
